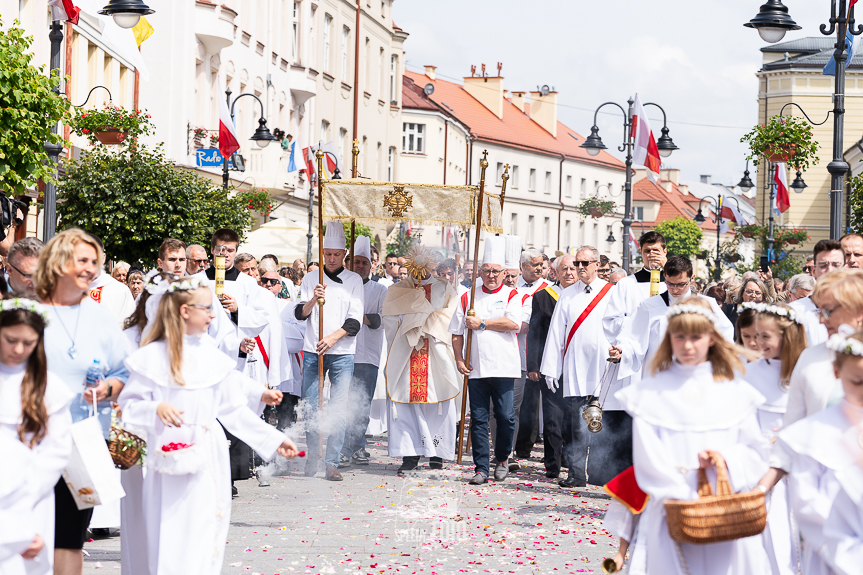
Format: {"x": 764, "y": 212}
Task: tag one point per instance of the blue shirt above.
{"x": 96, "y": 336}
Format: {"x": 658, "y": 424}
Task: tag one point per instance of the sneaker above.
{"x": 359, "y": 458}
{"x": 513, "y": 465}
{"x": 365, "y": 453}
{"x": 344, "y": 461}
{"x": 501, "y": 470}
{"x": 478, "y": 479}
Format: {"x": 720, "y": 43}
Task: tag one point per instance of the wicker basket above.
{"x": 714, "y": 518}
{"x": 124, "y": 456}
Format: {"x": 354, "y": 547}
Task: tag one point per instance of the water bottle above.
{"x": 92, "y": 379}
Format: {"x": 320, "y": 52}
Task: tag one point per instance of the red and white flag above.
{"x": 644, "y": 150}
{"x": 783, "y": 200}
{"x": 331, "y": 159}
{"x": 730, "y": 212}
{"x": 64, "y": 11}
{"x": 228, "y": 141}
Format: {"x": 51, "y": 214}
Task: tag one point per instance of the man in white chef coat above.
{"x": 494, "y": 359}
{"x": 367, "y": 358}
{"x": 342, "y": 291}
{"x": 829, "y": 257}
{"x": 575, "y": 358}
{"x": 643, "y": 334}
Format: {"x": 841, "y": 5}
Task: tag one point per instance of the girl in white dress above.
{"x": 179, "y": 385}
{"x": 781, "y": 341}
{"x": 693, "y": 403}
{"x": 34, "y": 411}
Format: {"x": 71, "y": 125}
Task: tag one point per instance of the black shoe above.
{"x": 234, "y": 491}
{"x": 552, "y": 474}
{"x": 572, "y": 481}
{"x": 522, "y": 455}
{"x": 100, "y": 532}
{"x": 408, "y": 464}
{"x": 435, "y": 462}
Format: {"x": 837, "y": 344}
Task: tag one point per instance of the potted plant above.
{"x": 110, "y": 126}
{"x": 732, "y": 258}
{"x": 214, "y": 140}
{"x": 748, "y": 231}
{"x": 198, "y": 134}
{"x": 792, "y": 236}
{"x": 258, "y": 201}
{"x": 783, "y": 139}
{"x": 595, "y": 207}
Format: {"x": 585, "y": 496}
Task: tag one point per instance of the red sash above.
{"x": 263, "y": 351}
{"x": 625, "y": 489}
{"x": 586, "y": 313}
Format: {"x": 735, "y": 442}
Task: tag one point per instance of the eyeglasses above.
{"x": 201, "y": 306}
{"x": 271, "y": 281}
{"x": 828, "y": 265}
{"x": 392, "y": 263}
{"x": 683, "y": 285}
{"x": 807, "y": 269}
{"x": 199, "y": 262}
{"x": 826, "y": 313}
{"x": 583, "y": 263}
{"x": 490, "y": 272}
{"x": 25, "y": 276}
{"x": 603, "y": 271}
{"x": 750, "y": 292}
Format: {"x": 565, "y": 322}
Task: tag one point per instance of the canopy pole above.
{"x": 355, "y": 152}
{"x": 483, "y": 164}
{"x": 319, "y": 156}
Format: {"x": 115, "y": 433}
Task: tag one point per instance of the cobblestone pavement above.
{"x": 430, "y": 522}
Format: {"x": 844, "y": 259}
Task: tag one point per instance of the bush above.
{"x": 682, "y": 236}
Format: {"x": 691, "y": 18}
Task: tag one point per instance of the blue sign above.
{"x": 209, "y": 158}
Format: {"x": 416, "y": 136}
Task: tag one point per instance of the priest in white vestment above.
{"x": 575, "y": 357}
{"x": 423, "y": 384}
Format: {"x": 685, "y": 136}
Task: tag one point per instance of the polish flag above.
{"x": 730, "y": 212}
{"x": 228, "y": 141}
{"x": 64, "y": 10}
{"x": 783, "y": 200}
{"x": 331, "y": 159}
{"x": 644, "y": 150}
{"x": 309, "y": 161}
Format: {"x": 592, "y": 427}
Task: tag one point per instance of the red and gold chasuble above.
{"x": 420, "y": 366}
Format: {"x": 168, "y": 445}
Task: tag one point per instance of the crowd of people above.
{"x": 639, "y": 382}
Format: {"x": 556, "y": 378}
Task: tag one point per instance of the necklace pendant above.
{"x": 73, "y": 353}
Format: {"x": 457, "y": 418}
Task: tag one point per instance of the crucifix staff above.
{"x": 319, "y": 156}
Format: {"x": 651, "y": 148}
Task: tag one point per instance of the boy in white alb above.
{"x": 494, "y": 359}
{"x": 342, "y": 291}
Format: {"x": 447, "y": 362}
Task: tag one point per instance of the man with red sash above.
{"x": 494, "y": 359}
{"x": 575, "y": 358}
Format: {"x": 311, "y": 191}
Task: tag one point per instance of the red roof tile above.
{"x": 515, "y": 129}
{"x": 414, "y": 97}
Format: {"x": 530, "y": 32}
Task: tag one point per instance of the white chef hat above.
{"x": 495, "y": 250}
{"x": 362, "y": 247}
{"x": 334, "y": 237}
{"x": 513, "y": 253}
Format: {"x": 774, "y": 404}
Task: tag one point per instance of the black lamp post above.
{"x": 262, "y": 136}
{"x": 772, "y": 22}
{"x": 312, "y": 187}
{"x": 700, "y": 219}
{"x": 126, "y": 13}
{"x": 49, "y": 209}
{"x": 593, "y": 144}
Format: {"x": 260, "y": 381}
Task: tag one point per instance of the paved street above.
{"x": 432, "y": 522}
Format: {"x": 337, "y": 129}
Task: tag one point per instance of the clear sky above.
{"x": 692, "y": 57}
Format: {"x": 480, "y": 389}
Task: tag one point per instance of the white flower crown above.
{"x": 161, "y": 286}
{"x": 769, "y": 308}
{"x": 26, "y": 305}
{"x": 849, "y": 346}
{"x": 690, "y": 308}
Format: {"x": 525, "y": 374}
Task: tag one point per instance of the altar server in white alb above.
{"x": 643, "y": 333}
{"x": 494, "y": 361}
{"x": 423, "y": 383}
{"x": 367, "y": 358}
{"x": 342, "y": 291}
{"x": 575, "y": 357}
{"x": 179, "y": 385}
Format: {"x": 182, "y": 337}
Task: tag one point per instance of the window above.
{"x": 441, "y": 144}
{"x": 368, "y": 78}
{"x": 379, "y": 161}
{"x": 609, "y": 188}
{"x": 596, "y": 187}
{"x": 513, "y": 182}
{"x": 295, "y": 27}
{"x": 381, "y": 74}
{"x": 391, "y": 158}
{"x": 413, "y": 138}
{"x": 595, "y": 240}
{"x": 638, "y": 212}
{"x": 582, "y": 191}
{"x": 498, "y": 175}
{"x": 608, "y": 228}
{"x": 529, "y": 236}
{"x": 569, "y": 186}
{"x": 345, "y": 39}
{"x": 581, "y": 233}
{"x": 513, "y": 224}
{"x": 546, "y": 231}
{"x": 343, "y": 134}
{"x": 325, "y": 130}
{"x": 328, "y": 23}
{"x": 547, "y": 188}
{"x": 394, "y": 64}
{"x": 531, "y": 181}
{"x": 383, "y": 9}
{"x": 567, "y": 234}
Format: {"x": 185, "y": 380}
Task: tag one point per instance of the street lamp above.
{"x": 772, "y": 22}
{"x": 700, "y": 219}
{"x": 593, "y": 145}
{"x": 798, "y": 185}
{"x": 262, "y": 136}
{"x": 126, "y": 13}
{"x": 745, "y": 184}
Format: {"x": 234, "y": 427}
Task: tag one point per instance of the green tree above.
{"x": 135, "y": 197}
{"x": 28, "y": 108}
{"x": 682, "y": 236}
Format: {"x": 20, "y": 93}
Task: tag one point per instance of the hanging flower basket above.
{"x": 595, "y": 207}
{"x": 781, "y": 152}
{"x": 110, "y": 136}
{"x": 783, "y": 139}
{"x": 749, "y": 235}
{"x": 733, "y": 258}
{"x": 702, "y": 255}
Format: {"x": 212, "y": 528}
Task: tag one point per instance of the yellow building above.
{"x": 792, "y": 72}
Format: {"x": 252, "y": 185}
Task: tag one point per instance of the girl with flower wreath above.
{"x": 34, "y": 412}
{"x": 781, "y": 340}
{"x": 179, "y": 385}
{"x": 693, "y": 403}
